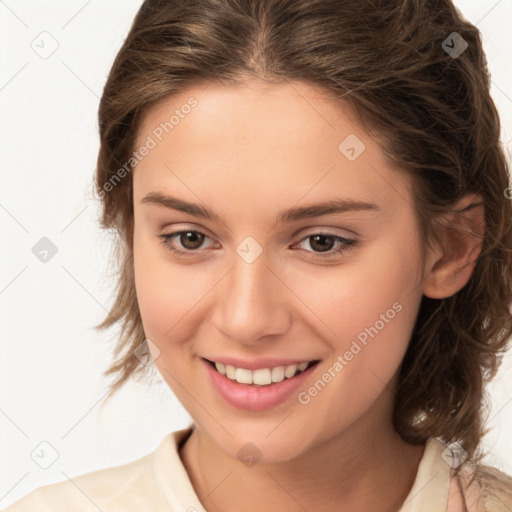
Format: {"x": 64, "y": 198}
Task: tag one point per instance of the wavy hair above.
{"x": 432, "y": 113}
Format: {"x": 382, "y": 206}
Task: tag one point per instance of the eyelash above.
{"x": 348, "y": 243}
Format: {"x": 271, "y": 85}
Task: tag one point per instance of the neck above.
{"x": 362, "y": 468}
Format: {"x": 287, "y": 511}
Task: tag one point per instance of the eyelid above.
{"x": 330, "y": 231}
{"x": 178, "y": 228}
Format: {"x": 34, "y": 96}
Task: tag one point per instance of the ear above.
{"x": 450, "y": 264}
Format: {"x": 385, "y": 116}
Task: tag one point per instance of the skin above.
{"x": 246, "y": 152}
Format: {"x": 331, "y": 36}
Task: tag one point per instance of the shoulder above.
{"x": 496, "y": 488}
{"x": 483, "y": 488}
{"x": 125, "y": 487}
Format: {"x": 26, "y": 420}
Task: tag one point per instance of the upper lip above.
{"x": 255, "y": 364}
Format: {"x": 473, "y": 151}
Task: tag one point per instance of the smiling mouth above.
{"x": 261, "y": 376}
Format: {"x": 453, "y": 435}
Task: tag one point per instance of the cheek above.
{"x": 371, "y": 301}
{"x": 371, "y": 310}
{"x": 169, "y": 294}
{"x": 156, "y": 282}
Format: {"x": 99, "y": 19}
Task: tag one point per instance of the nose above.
{"x": 251, "y": 302}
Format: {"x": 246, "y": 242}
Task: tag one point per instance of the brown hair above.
{"x": 433, "y": 113}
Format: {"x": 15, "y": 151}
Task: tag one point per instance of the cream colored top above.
{"x": 159, "y": 482}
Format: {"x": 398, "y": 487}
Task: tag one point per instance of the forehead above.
{"x": 285, "y": 139}
{"x": 290, "y": 110}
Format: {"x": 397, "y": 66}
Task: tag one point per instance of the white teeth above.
{"x": 230, "y": 372}
{"x": 262, "y": 376}
{"x": 290, "y": 371}
{"x": 243, "y": 376}
{"x": 278, "y": 374}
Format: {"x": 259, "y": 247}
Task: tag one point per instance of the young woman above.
{"x": 315, "y": 235}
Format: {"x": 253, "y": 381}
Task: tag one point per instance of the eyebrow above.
{"x": 339, "y": 205}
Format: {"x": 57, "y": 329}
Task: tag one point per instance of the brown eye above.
{"x": 184, "y": 242}
{"x": 322, "y": 243}
{"x": 191, "y": 239}
{"x": 325, "y": 245}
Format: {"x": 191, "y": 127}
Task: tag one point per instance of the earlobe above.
{"x": 449, "y": 266}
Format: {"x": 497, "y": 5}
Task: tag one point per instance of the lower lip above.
{"x": 256, "y": 398}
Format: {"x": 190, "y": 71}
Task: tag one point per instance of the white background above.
{"x": 52, "y": 358}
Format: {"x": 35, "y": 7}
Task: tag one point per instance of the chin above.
{"x": 262, "y": 447}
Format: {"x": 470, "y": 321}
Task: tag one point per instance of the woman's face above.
{"x": 299, "y": 243}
